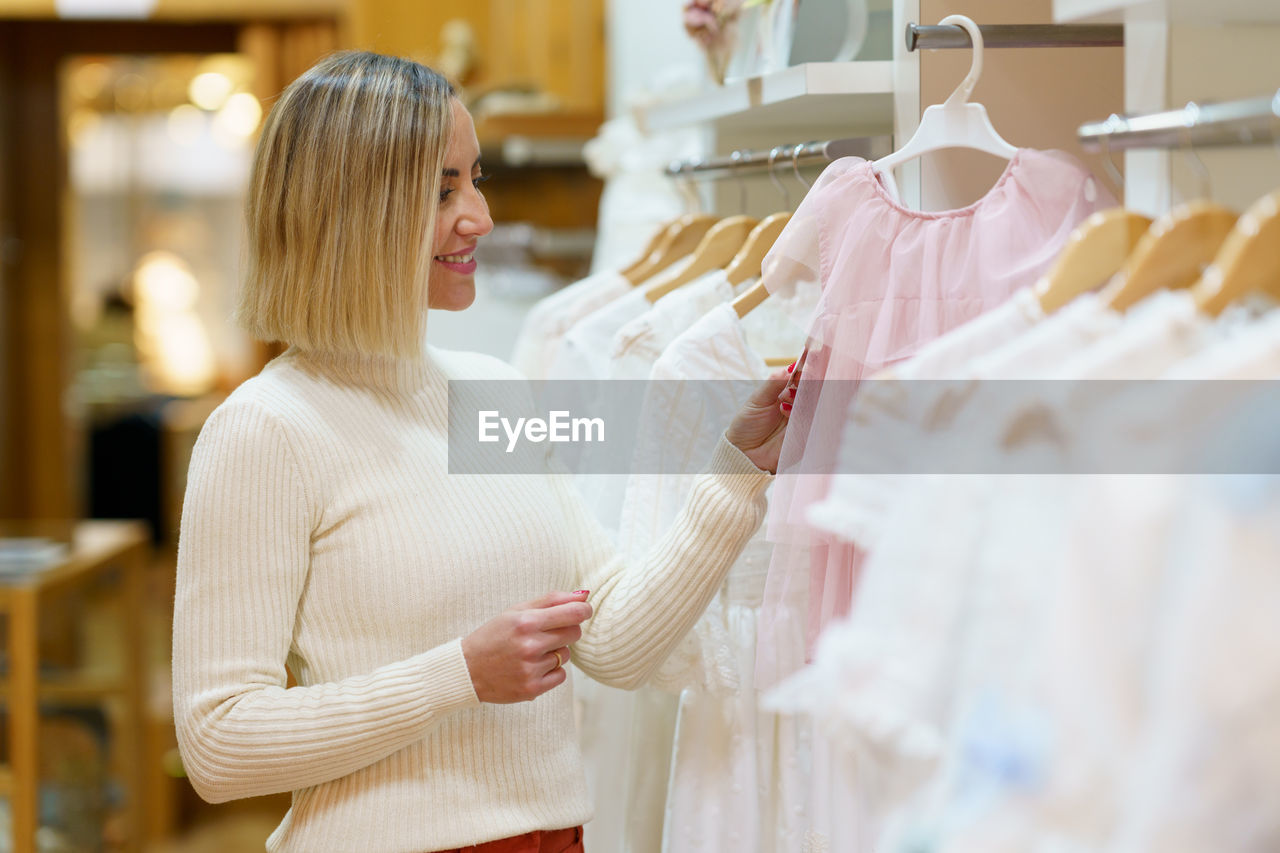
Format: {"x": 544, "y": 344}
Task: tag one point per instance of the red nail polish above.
{"x": 786, "y": 407}
{"x": 791, "y": 367}
{"x": 582, "y": 592}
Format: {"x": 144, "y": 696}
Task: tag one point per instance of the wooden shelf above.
{"x": 74, "y": 689}
{"x": 92, "y": 543}
{"x": 115, "y": 554}
{"x": 81, "y": 690}
{"x": 496, "y": 128}
{"x": 858, "y": 95}
{"x": 1178, "y": 11}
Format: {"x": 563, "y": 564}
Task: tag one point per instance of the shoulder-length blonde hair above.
{"x": 341, "y": 207}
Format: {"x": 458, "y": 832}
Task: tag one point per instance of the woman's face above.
{"x": 461, "y": 219}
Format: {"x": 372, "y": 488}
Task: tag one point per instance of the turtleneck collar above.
{"x": 371, "y": 370}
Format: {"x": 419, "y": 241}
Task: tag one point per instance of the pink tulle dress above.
{"x": 892, "y": 280}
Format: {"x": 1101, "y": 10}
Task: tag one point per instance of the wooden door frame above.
{"x": 38, "y": 476}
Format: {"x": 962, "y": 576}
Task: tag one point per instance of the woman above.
{"x": 322, "y": 530}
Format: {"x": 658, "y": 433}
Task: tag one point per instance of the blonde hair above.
{"x": 341, "y": 207}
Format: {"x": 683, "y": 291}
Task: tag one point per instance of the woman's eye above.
{"x": 444, "y": 194}
{"x": 477, "y": 181}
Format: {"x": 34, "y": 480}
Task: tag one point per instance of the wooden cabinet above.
{"x": 555, "y": 47}
{"x": 108, "y": 558}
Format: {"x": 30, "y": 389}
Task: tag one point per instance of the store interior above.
{"x": 127, "y": 131}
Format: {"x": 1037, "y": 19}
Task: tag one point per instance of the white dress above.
{"x": 1205, "y": 768}
{"x": 584, "y": 351}
{"x": 725, "y": 793}
{"x": 628, "y": 795}
{"x": 730, "y": 787}
{"x": 1083, "y": 687}
{"x": 714, "y": 802}
{"x": 547, "y": 321}
{"x": 1253, "y": 354}
{"x": 636, "y": 346}
{"x": 628, "y": 736}
{"x": 997, "y": 600}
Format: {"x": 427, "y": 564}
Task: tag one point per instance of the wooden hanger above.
{"x": 744, "y": 305}
{"x": 747, "y": 263}
{"x": 634, "y": 270}
{"x": 716, "y": 250}
{"x": 753, "y": 296}
{"x": 1172, "y": 254}
{"x": 1094, "y": 252}
{"x": 680, "y": 239}
{"x": 650, "y": 247}
{"x": 1248, "y": 261}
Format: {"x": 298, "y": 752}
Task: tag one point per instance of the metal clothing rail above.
{"x": 795, "y": 156}
{"x": 942, "y": 37}
{"x": 1253, "y": 121}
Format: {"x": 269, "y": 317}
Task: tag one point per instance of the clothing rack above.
{"x": 950, "y": 36}
{"x": 1252, "y": 121}
{"x": 793, "y": 155}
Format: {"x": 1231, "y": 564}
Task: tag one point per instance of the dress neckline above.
{"x": 997, "y": 189}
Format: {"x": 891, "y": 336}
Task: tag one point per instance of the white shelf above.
{"x": 854, "y": 94}
{"x": 1176, "y": 11}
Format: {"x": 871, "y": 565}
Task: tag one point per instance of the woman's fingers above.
{"x": 563, "y": 636}
{"x": 557, "y": 658}
{"x": 520, "y": 654}
{"x": 552, "y": 599}
{"x": 570, "y": 614}
{"x": 767, "y": 392}
{"x": 553, "y": 679}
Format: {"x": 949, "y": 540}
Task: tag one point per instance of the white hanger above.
{"x": 955, "y": 123}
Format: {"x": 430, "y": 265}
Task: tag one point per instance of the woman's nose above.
{"x": 475, "y": 220}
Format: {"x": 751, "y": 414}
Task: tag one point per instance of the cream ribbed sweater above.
{"x": 321, "y": 530}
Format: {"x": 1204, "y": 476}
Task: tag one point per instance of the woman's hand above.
{"x": 758, "y": 428}
{"x": 519, "y": 654}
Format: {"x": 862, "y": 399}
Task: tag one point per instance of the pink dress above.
{"x": 892, "y": 280}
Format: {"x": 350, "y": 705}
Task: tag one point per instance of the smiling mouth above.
{"x": 456, "y": 259}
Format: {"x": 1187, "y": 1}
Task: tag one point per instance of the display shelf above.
{"x": 77, "y": 689}
{"x": 87, "y": 689}
{"x": 91, "y": 543}
{"x": 858, "y": 95}
{"x": 1182, "y": 11}
{"x": 493, "y": 129}
{"x": 109, "y": 552}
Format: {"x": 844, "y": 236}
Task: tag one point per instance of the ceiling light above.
{"x": 104, "y": 8}
{"x": 210, "y": 90}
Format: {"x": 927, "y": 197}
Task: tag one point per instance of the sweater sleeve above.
{"x": 642, "y": 609}
{"x": 243, "y": 559}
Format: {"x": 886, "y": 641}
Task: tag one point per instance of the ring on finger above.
{"x": 559, "y": 660}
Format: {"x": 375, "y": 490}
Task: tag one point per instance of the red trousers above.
{"x": 540, "y": 841}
